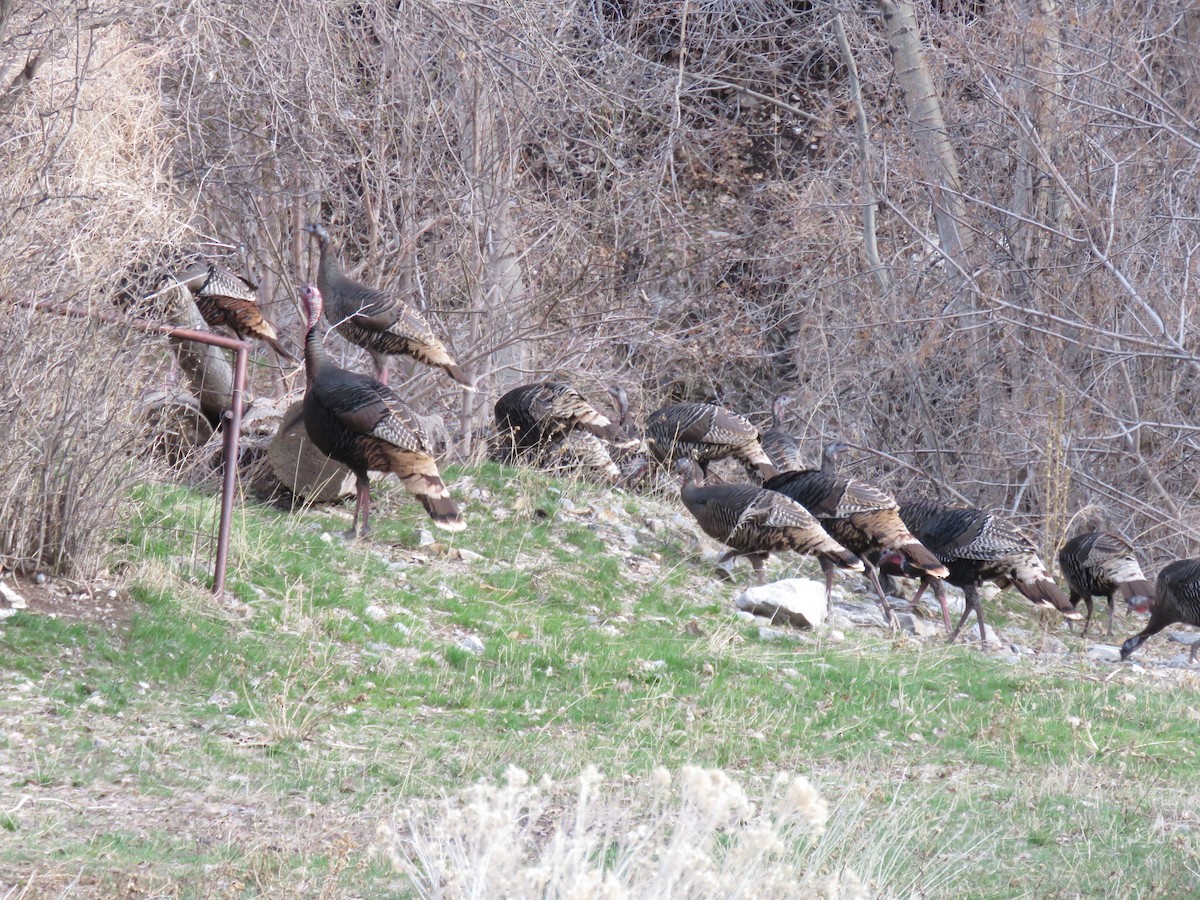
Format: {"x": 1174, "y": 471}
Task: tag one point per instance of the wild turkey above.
{"x": 361, "y": 423}
{"x": 864, "y": 518}
{"x": 583, "y": 453}
{"x": 703, "y": 432}
{"x": 1098, "y": 563}
{"x": 1178, "y": 601}
{"x": 531, "y": 417}
{"x": 226, "y": 298}
{"x": 757, "y": 522}
{"x": 976, "y": 546}
{"x": 778, "y": 443}
{"x": 381, "y": 324}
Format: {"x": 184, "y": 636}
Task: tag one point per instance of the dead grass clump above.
{"x": 84, "y": 190}
{"x": 694, "y": 834}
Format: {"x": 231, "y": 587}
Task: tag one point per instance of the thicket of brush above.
{"x": 84, "y": 185}
{"x": 675, "y": 196}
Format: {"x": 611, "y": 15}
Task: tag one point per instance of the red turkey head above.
{"x": 313, "y": 304}
{"x": 779, "y": 409}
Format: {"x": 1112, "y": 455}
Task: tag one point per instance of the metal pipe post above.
{"x": 233, "y": 426}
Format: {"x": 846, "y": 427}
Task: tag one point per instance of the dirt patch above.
{"x": 105, "y": 603}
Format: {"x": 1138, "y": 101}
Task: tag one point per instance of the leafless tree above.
{"x": 711, "y": 199}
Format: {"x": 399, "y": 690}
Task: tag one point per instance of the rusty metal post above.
{"x": 233, "y": 427}
{"x": 232, "y": 417}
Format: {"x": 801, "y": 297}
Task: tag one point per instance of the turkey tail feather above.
{"x": 432, "y": 492}
{"x": 887, "y": 528}
{"x": 457, "y": 373}
{"x": 599, "y": 425}
{"x": 1132, "y": 590}
{"x": 274, "y": 344}
{"x": 766, "y": 470}
{"x": 843, "y": 559}
{"x": 1044, "y": 592}
{"x": 922, "y": 559}
{"x": 443, "y": 512}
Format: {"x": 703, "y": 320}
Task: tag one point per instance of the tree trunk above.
{"x": 936, "y": 155}
{"x": 488, "y": 157}
{"x": 863, "y": 138}
{"x": 1036, "y": 198}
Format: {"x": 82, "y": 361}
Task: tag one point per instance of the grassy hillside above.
{"x": 252, "y": 746}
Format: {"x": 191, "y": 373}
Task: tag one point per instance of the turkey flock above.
{"x": 844, "y": 522}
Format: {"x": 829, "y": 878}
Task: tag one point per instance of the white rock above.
{"x": 954, "y": 601}
{"x": 15, "y": 600}
{"x": 862, "y": 614}
{"x": 838, "y": 620}
{"x": 774, "y": 634}
{"x": 1104, "y": 652}
{"x": 467, "y": 555}
{"x": 970, "y": 635}
{"x": 796, "y": 601}
{"x": 1051, "y": 644}
{"x": 471, "y": 644}
{"x": 424, "y": 537}
{"x": 376, "y": 612}
{"x": 916, "y": 625}
{"x": 1187, "y": 638}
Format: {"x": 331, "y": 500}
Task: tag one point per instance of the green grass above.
{"x": 335, "y": 682}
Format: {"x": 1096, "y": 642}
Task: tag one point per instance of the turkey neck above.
{"x": 329, "y": 274}
{"x": 316, "y": 360}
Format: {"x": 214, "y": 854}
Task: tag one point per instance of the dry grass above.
{"x": 693, "y": 834}
{"x": 84, "y": 187}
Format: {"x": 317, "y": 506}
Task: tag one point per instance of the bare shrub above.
{"x": 83, "y": 192}
{"x": 73, "y": 436}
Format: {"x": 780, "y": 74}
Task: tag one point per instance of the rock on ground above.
{"x": 916, "y": 625}
{"x": 799, "y": 602}
{"x": 1105, "y": 652}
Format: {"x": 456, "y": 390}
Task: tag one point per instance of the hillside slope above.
{"x": 252, "y": 746}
